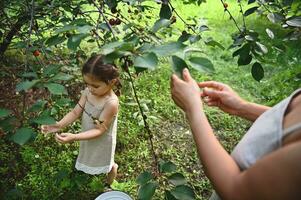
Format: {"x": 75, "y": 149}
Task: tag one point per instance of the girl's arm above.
{"x": 73, "y": 114}
{"x": 67, "y": 119}
{"x": 107, "y": 116}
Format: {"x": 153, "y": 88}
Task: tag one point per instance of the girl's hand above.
{"x": 186, "y": 92}
{"x": 50, "y": 128}
{"x": 65, "y": 138}
{"x": 222, "y": 96}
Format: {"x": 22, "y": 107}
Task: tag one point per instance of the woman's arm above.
{"x": 224, "y": 97}
{"x": 276, "y": 176}
{"x": 107, "y": 116}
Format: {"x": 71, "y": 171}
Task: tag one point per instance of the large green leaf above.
{"x": 65, "y": 28}
{"x": 168, "y": 49}
{"x": 178, "y": 64}
{"x": 244, "y": 60}
{"x": 177, "y": 179}
{"x": 147, "y": 191}
{"x": 160, "y": 23}
{"x": 169, "y": 196}
{"x": 23, "y": 135}
{"x": 250, "y": 11}
{"x": 183, "y": 192}
{"x": 51, "y": 69}
{"x": 275, "y": 17}
{"x": 257, "y": 71}
{"x": 54, "y": 40}
{"x": 44, "y": 119}
{"x": 61, "y": 77}
{"x": 262, "y": 48}
{"x": 201, "y": 64}
{"x": 213, "y": 43}
{"x": 270, "y": 33}
{"x": 165, "y": 11}
{"x": 37, "y": 106}
{"x": 144, "y": 177}
{"x": 75, "y": 40}
{"x": 4, "y": 112}
{"x": 149, "y": 61}
{"x": 167, "y": 167}
{"x": 294, "y": 21}
{"x": 25, "y": 85}
{"x": 55, "y": 88}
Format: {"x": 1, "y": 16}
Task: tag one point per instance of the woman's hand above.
{"x": 65, "y": 137}
{"x": 50, "y": 128}
{"x": 222, "y": 96}
{"x": 186, "y": 92}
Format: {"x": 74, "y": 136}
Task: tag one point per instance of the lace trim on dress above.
{"x": 93, "y": 170}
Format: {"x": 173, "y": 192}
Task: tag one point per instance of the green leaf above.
{"x": 65, "y": 28}
{"x": 178, "y": 64}
{"x": 251, "y": 1}
{"x": 62, "y": 77}
{"x": 51, "y": 69}
{"x": 275, "y": 17}
{"x": 213, "y": 43}
{"x": 54, "y": 40}
{"x": 184, "y": 37}
{"x": 294, "y": 21}
{"x": 169, "y": 196}
{"x": 204, "y": 28}
{"x": 44, "y": 119}
{"x": 270, "y": 33}
{"x": 160, "y": 23}
{"x": 56, "y": 89}
{"x": 30, "y": 75}
{"x": 149, "y": 61}
{"x": 244, "y": 60}
{"x": 168, "y": 49}
{"x": 201, "y": 64}
{"x": 25, "y": 85}
{"x": 257, "y": 71}
{"x": 75, "y": 40}
{"x": 194, "y": 38}
{"x": 147, "y": 191}
{"x": 177, "y": 179}
{"x": 165, "y": 12}
{"x": 167, "y": 167}
{"x": 250, "y": 11}
{"x": 261, "y": 47}
{"x": 144, "y": 177}
{"x": 37, "y": 106}
{"x": 23, "y": 135}
{"x": 84, "y": 29}
{"x": 183, "y": 192}
{"x": 4, "y": 112}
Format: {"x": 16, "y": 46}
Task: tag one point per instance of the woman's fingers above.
{"x": 213, "y": 84}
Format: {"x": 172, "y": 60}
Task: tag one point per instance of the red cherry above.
{"x": 112, "y": 22}
{"x": 117, "y": 21}
{"x": 36, "y": 53}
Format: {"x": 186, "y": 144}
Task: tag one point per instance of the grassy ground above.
{"x": 44, "y": 161}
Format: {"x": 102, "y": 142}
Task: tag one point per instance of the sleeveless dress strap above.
{"x": 292, "y": 129}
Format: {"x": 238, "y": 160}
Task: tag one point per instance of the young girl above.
{"x": 98, "y": 106}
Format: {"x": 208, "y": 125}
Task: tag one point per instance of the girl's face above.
{"x": 97, "y": 87}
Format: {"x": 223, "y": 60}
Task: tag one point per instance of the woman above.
{"x": 266, "y": 164}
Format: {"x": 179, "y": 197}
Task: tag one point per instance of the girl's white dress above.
{"x": 96, "y": 156}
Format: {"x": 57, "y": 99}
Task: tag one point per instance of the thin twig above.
{"x": 243, "y": 17}
{"x": 231, "y": 17}
{"x": 188, "y": 25}
{"x": 100, "y": 10}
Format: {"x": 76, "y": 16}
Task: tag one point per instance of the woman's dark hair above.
{"x": 105, "y": 72}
